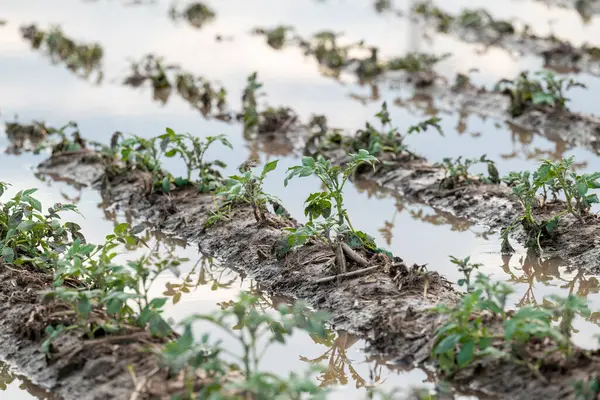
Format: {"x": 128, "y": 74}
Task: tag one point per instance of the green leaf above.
{"x": 114, "y": 306}
{"x": 582, "y": 188}
{"x": 447, "y": 344}
{"x": 158, "y": 302}
{"x": 308, "y": 162}
{"x": 25, "y": 226}
{"x": 121, "y": 228}
{"x": 269, "y": 167}
{"x": 179, "y": 182}
{"x": 84, "y": 306}
{"x": 166, "y": 184}
{"x": 8, "y": 255}
{"x": 466, "y": 353}
{"x": 34, "y": 203}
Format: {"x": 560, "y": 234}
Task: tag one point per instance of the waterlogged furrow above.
{"x": 477, "y": 26}
{"x": 390, "y": 305}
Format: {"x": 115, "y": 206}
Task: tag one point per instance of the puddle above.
{"x": 14, "y": 386}
{"x": 34, "y": 88}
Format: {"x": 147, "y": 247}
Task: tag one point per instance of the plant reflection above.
{"x": 7, "y": 378}
{"x": 208, "y": 274}
{"x": 548, "y": 271}
{"x": 338, "y": 366}
{"x": 83, "y": 59}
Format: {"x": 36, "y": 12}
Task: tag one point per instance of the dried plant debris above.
{"x": 478, "y": 26}
{"x": 84, "y": 60}
{"x": 196, "y": 14}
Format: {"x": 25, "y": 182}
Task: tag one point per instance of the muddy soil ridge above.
{"x": 390, "y": 306}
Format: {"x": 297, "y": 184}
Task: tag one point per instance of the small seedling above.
{"x": 250, "y": 96}
{"x": 247, "y": 188}
{"x": 276, "y": 37}
{"x": 81, "y": 58}
{"x": 389, "y": 139}
{"x": 197, "y": 14}
{"x": 551, "y": 178}
{"x": 192, "y": 150}
{"x": 328, "y": 206}
{"x": 528, "y": 92}
{"x": 255, "y": 332}
{"x": 480, "y": 327}
{"x": 467, "y": 268}
{"x": 456, "y": 172}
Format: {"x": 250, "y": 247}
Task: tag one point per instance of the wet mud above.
{"x": 390, "y": 306}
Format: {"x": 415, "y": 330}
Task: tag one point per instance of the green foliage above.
{"x": 415, "y": 62}
{"x": 255, "y": 332}
{"x": 456, "y": 172}
{"x": 276, "y": 37}
{"x": 388, "y": 139}
{"x": 80, "y": 58}
{"x": 550, "y": 179}
{"x": 247, "y": 188}
{"x": 250, "y": 116}
{"x": 480, "y": 327}
{"x": 319, "y": 205}
{"x": 588, "y": 389}
{"x": 29, "y": 235}
{"x": 146, "y": 154}
{"x": 197, "y": 14}
{"x": 467, "y": 268}
{"x": 192, "y": 150}
{"x": 527, "y": 92}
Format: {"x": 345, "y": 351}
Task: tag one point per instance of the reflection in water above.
{"x": 548, "y": 271}
{"x": 196, "y": 14}
{"x": 217, "y": 277}
{"x": 8, "y": 379}
{"x": 198, "y": 92}
{"x": 83, "y": 59}
{"x": 336, "y": 362}
{"x": 415, "y": 210}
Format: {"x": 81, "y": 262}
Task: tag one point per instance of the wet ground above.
{"x": 33, "y": 87}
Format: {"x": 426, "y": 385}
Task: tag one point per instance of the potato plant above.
{"x": 541, "y": 90}
{"x": 456, "y": 172}
{"x": 479, "y": 326}
{"x": 247, "y": 188}
{"x": 146, "y": 154}
{"x": 550, "y": 179}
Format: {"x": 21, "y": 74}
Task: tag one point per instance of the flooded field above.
{"x": 139, "y": 67}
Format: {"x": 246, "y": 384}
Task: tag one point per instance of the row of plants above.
{"x": 106, "y": 296}
{"x": 29, "y": 237}
{"x": 328, "y": 222}
{"x": 481, "y": 326}
{"x": 547, "y": 195}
